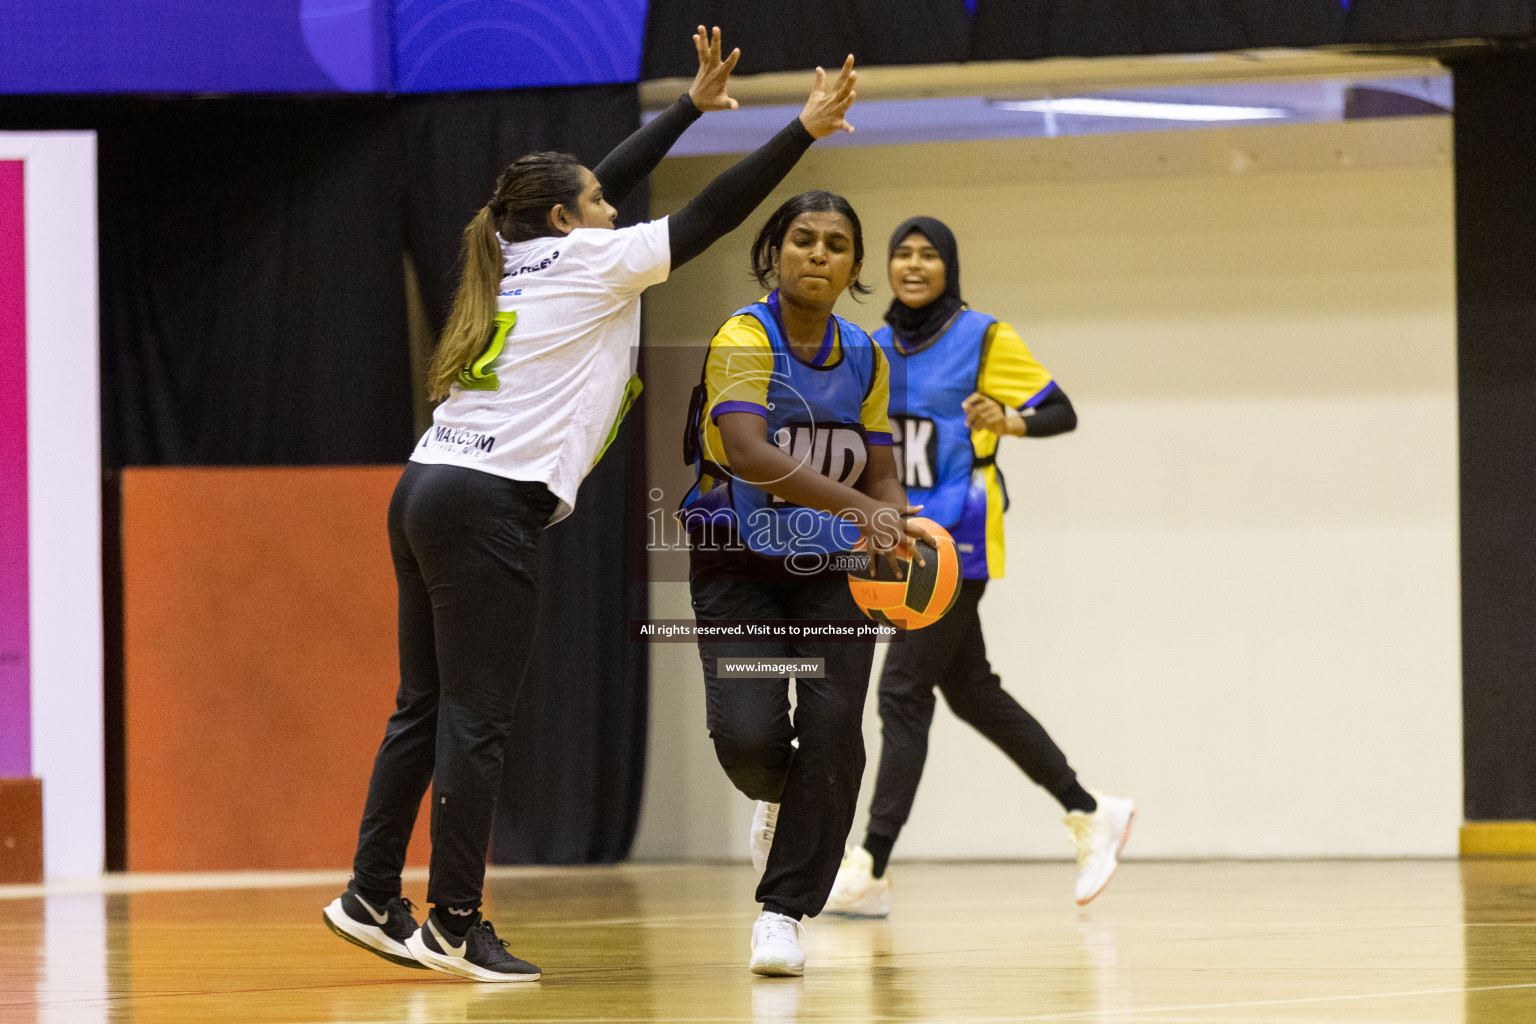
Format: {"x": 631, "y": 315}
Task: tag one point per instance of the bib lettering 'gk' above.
{"x": 915, "y": 444}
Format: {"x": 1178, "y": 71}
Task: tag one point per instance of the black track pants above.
{"x": 952, "y": 655}
{"x": 465, "y": 548}
{"x": 817, "y": 783}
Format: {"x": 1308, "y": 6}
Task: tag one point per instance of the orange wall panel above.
{"x": 260, "y": 663}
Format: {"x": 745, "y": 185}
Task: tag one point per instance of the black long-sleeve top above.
{"x": 1054, "y": 415}
{"x": 725, "y": 202}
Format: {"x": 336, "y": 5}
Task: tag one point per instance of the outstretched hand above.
{"x": 708, "y": 91}
{"x": 828, "y": 104}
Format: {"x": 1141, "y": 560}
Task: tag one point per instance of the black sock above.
{"x": 774, "y": 908}
{"x": 457, "y": 919}
{"x": 1076, "y": 798}
{"x": 879, "y": 848}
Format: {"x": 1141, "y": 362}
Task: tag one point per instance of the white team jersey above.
{"x": 565, "y": 364}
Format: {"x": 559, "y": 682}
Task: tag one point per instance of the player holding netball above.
{"x": 962, "y": 380}
{"x": 789, "y": 439}
{"x": 535, "y": 369}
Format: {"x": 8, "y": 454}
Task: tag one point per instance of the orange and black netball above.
{"x": 924, "y": 593}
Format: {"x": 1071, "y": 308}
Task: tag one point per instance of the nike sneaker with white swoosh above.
{"x": 382, "y": 930}
{"x": 478, "y": 955}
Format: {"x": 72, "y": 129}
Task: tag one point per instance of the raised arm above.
{"x": 725, "y": 202}
{"x": 637, "y": 156}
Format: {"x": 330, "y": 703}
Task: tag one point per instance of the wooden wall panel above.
{"x": 260, "y": 663}
{"x": 21, "y": 831}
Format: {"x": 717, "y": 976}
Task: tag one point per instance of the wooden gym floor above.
{"x": 1256, "y": 943}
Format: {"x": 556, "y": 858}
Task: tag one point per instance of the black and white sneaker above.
{"x": 479, "y": 955}
{"x": 382, "y": 930}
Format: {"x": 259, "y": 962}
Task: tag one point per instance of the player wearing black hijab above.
{"x": 960, "y": 380}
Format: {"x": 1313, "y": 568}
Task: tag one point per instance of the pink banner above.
{"x": 15, "y": 677}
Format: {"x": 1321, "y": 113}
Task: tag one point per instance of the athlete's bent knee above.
{"x": 756, "y": 765}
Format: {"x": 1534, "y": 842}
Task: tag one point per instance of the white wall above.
{"x": 1232, "y": 593}
{"x": 64, "y": 493}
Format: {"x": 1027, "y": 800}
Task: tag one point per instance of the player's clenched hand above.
{"x": 708, "y": 91}
{"x": 828, "y": 103}
{"x": 983, "y": 412}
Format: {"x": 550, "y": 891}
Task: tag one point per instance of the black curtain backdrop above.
{"x": 252, "y": 290}
{"x": 253, "y": 313}
{"x": 1495, "y": 129}
{"x": 1023, "y": 29}
{"x": 785, "y": 35}
{"x": 791, "y": 35}
{"x": 1393, "y": 21}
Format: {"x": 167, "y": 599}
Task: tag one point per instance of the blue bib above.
{"x": 814, "y": 415}
{"x": 929, "y": 438}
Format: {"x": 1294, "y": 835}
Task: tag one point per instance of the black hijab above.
{"x": 916, "y": 327}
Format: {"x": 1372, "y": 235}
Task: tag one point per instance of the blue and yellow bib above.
{"x": 935, "y": 457}
{"x": 813, "y": 413}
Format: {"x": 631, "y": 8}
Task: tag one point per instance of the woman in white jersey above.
{"x": 535, "y": 369}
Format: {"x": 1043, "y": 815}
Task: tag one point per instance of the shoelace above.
{"x": 491, "y": 931}
{"x": 781, "y": 927}
{"x": 1081, "y": 828}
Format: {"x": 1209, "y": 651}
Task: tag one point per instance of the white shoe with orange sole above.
{"x": 1099, "y": 837}
{"x": 857, "y": 892}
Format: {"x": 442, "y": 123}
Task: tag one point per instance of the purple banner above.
{"x": 15, "y": 677}
{"x": 95, "y": 46}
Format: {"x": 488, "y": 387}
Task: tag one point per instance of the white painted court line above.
{"x": 187, "y": 881}
{"x": 175, "y": 882}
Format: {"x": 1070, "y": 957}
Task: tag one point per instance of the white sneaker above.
{"x": 776, "y": 948}
{"x": 1099, "y": 838}
{"x": 764, "y": 820}
{"x": 857, "y": 892}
